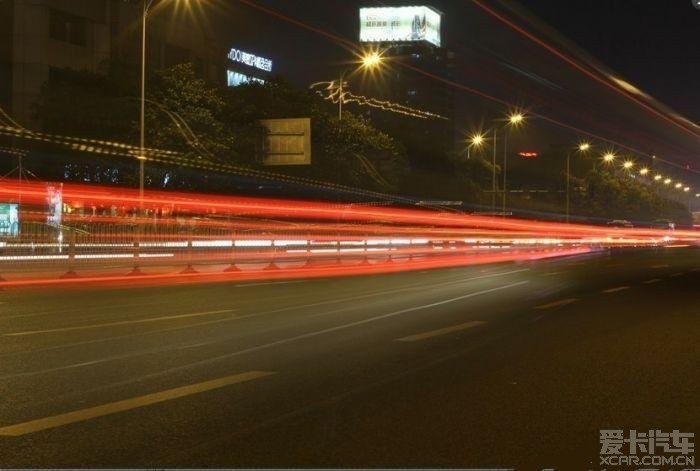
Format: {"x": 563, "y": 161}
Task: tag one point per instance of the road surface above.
{"x": 501, "y": 365}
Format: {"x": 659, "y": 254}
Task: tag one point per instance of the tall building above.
{"x": 411, "y": 38}
{"x": 39, "y": 38}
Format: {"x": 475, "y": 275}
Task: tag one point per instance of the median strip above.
{"x": 38, "y": 425}
{"x": 561, "y": 302}
{"x": 438, "y": 332}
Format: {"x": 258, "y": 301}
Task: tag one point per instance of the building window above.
{"x": 67, "y": 28}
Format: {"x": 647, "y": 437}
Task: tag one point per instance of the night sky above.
{"x": 650, "y": 43}
{"x": 653, "y": 43}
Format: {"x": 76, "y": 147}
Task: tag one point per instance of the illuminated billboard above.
{"x": 234, "y": 79}
{"x": 9, "y": 219}
{"x": 400, "y": 24}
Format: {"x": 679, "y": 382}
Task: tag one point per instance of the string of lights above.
{"x": 334, "y": 93}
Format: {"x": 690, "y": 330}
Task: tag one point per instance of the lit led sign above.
{"x": 251, "y": 60}
{"x": 400, "y": 24}
{"x": 528, "y": 155}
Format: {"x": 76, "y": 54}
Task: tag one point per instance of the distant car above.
{"x": 620, "y": 223}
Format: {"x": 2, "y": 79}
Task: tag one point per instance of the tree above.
{"x": 211, "y": 124}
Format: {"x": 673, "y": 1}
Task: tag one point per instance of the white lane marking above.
{"x": 663, "y": 265}
{"x": 561, "y": 302}
{"x": 111, "y": 324}
{"x": 653, "y": 280}
{"x": 45, "y": 423}
{"x": 438, "y": 332}
{"x": 80, "y": 309}
{"x": 271, "y": 311}
{"x": 615, "y": 290}
{"x": 311, "y": 334}
{"x": 676, "y": 274}
{"x": 245, "y": 285}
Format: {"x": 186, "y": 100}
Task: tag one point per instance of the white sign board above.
{"x": 262, "y": 63}
{"x": 400, "y": 24}
{"x": 287, "y": 141}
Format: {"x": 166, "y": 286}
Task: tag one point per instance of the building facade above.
{"x": 39, "y": 38}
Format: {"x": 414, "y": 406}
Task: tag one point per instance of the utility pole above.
{"x": 568, "y": 182}
{"x": 493, "y": 174}
{"x": 505, "y": 170}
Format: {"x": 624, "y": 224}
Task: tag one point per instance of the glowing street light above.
{"x": 679, "y": 185}
{"x": 146, "y": 6}
{"x": 515, "y": 119}
{"x": 371, "y": 60}
{"x": 476, "y": 140}
{"x": 686, "y": 189}
{"x": 667, "y": 181}
{"x": 658, "y": 177}
{"x": 609, "y": 157}
{"x": 582, "y": 147}
{"x": 643, "y": 171}
{"x": 628, "y": 164}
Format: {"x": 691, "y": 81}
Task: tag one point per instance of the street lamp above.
{"x": 667, "y": 181}
{"x": 582, "y": 147}
{"x": 679, "y": 185}
{"x": 609, "y": 157}
{"x": 643, "y": 171}
{"x": 146, "y": 5}
{"x": 658, "y": 177}
{"x": 369, "y": 60}
{"x": 515, "y": 119}
{"x": 476, "y": 140}
{"x": 628, "y": 164}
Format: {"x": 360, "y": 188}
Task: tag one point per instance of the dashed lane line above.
{"x": 561, "y": 302}
{"x": 45, "y": 423}
{"x": 438, "y": 332}
{"x": 112, "y": 324}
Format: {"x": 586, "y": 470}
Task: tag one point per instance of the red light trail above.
{"x": 186, "y": 237}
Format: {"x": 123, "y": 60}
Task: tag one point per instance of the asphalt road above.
{"x": 502, "y": 365}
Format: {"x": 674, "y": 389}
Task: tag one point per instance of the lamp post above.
{"x": 514, "y": 120}
{"x": 146, "y": 6}
{"x": 476, "y": 140}
{"x": 582, "y": 147}
{"x": 369, "y": 61}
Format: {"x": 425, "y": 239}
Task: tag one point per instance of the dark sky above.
{"x": 653, "y": 43}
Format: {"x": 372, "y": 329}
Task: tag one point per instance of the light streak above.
{"x": 312, "y": 237}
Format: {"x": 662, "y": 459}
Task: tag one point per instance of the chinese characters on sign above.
{"x": 251, "y": 60}
{"x": 648, "y": 448}
{"x": 400, "y": 24}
